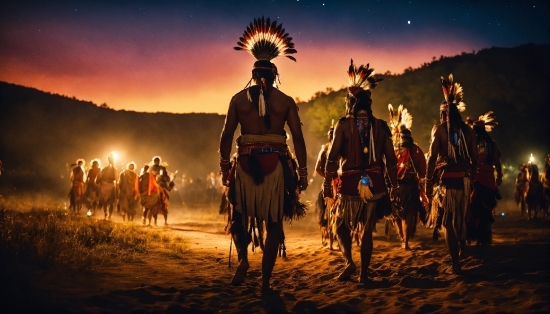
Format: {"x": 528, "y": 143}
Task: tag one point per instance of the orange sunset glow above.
{"x": 170, "y": 63}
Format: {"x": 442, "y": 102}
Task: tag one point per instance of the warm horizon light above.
{"x": 170, "y": 57}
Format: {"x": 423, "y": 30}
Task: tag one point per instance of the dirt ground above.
{"x": 510, "y": 276}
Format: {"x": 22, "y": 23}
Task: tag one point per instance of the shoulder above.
{"x": 341, "y": 122}
{"x": 438, "y": 128}
{"x": 383, "y": 125}
{"x": 240, "y": 96}
{"x": 417, "y": 149}
{"x": 282, "y": 97}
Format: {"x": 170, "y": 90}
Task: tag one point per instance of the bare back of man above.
{"x": 282, "y": 110}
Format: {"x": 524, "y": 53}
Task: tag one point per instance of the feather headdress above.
{"x": 454, "y": 96}
{"x": 399, "y": 121}
{"x": 487, "y": 120}
{"x": 265, "y": 40}
{"x": 401, "y": 118}
{"x": 361, "y": 78}
{"x": 453, "y": 93}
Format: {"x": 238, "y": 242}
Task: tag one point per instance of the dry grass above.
{"x": 54, "y": 238}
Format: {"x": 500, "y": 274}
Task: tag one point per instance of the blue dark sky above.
{"x": 177, "y": 56}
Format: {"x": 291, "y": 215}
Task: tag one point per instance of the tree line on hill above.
{"x": 40, "y": 133}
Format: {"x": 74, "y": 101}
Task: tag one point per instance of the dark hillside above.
{"x": 41, "y": 133}
{"x": 513, "y": 82}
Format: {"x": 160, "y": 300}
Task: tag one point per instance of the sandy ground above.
{"x": 512, "y": 276}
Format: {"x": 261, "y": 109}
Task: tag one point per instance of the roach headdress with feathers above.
{"x": 265, "y": 40}
{"x": 360, "y": 80}
{"x": 451, "y": 106}
{"x": 486, "y": 121}
{"x": 453, "y": 94}
{"x": 400, "y": 122}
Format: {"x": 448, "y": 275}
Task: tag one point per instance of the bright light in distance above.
{"x": 531, "y": 159}
{"x": 89, "y": 213}
{"x": 502, "y": 214}
{"x": 115, "y": 155}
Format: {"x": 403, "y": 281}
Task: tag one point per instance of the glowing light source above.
{"x": 531, "y": 159}
{"x": 89, "y": 213}
{"x": 502, "y": 214}
{"x": 115, "y": 155}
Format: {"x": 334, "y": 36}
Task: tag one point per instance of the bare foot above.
{"x": 348, "y": 271}
{"x": 240, "y": 273}
{"x": 457, "y": 270}
{"x": 266, "y": 286}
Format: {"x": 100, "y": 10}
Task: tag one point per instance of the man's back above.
{"x": 278, "y": 105}
{"x": 281, "y": 109}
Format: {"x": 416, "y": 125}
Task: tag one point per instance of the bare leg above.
{"x": 453, "y": 246}
{"x": 408, "y": 227}
{"x": 399, "y": 227}
{"x": 241, "y": 244}
{"x": 145, "y": 212}
{"x": 366, "y": 253}
{"x": 344, "y": 241}
{"x": 110, "y": 210}
{"x": 274, "y": 236}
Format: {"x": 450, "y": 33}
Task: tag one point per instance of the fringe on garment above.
{"x": 455, "y": 203}
{"x": 264, "y": 201}
{"x": 354, "y": 212}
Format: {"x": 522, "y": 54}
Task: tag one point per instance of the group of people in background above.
{"x": 106, "y": 189}
{"x": 532, "y": 189}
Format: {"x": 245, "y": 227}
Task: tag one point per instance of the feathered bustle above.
{"x": 266, "y": 40}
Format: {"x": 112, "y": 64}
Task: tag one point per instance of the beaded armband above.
{"x": 302, "y": 172}
{"x": 225, "y": 165}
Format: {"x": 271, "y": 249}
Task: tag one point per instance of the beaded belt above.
{"x": 253, "y": 149}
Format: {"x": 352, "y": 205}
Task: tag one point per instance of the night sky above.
{"x": 178, "y": 57}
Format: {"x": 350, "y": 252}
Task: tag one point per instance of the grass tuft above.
{"x": 54, "y": 238}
